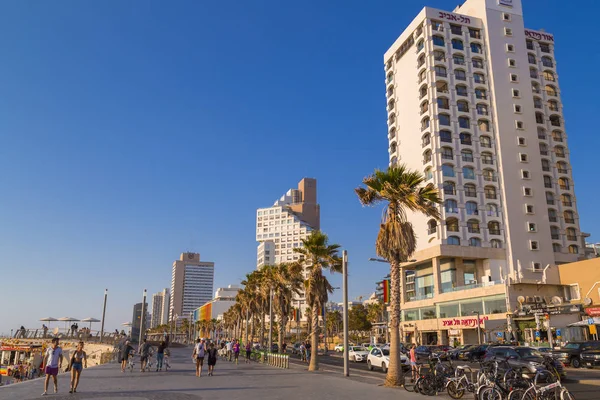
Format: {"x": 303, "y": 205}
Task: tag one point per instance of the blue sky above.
{"x": 131, "y": 131}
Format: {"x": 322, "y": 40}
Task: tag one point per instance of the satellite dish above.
{"x": 587, "y": 301}
{"x": 521, "y": 299}
{"x": 55, "y": 331}
{"x": 556, "y": 300}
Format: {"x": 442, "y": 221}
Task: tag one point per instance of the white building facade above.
{"x": 474, "y": 103}
{"x": 191, "y": 284}
{"x": 160, "y": 308}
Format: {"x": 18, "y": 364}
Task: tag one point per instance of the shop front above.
{"x": 541, "y": 322}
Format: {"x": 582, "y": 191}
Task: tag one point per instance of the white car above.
{"x": 340, "y": 347}
{"x": 358, "y": 353}
{"x": 380, "y": 358}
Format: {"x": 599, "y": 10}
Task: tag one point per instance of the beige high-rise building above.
{"x": 191, "y": 284}
{"x": 161, "y": 302}
{"x": 281, "y": 227}
{"x": 474, "y": 103}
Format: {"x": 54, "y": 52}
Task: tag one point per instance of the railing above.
{"x": 473, "y": 286}
{"x": 569, "y": 220}
{"x": 420, "y": 297}
{"x": 275, "y": 359}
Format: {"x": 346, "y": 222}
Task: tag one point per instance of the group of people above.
{"x": 146, "y": 352}
{"x": 305, "y": 349}
{"x": 53, "y": 361}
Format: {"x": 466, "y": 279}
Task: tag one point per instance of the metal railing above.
{"x": 275, "y": 359}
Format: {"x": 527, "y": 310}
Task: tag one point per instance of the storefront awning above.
{"x": 596, "y": 321}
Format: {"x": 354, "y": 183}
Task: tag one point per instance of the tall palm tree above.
{"x": 403, "y": 191}
{"x": 317, "y": 255}
{"x": 286, "y": 280}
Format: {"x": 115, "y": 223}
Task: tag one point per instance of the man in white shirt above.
{"x": 229, "y": 347}
{"x": 52, "y": 363}
{"x": 198, "y": 355}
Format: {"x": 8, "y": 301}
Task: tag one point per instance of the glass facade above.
{"x": 463, "y": 308}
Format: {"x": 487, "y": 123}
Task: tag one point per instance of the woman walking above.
{"x": 78, "y": 358}
{"x": 248, "y": 352}
{"x": 236, "y": 350}
{"x": 212, "y": 359}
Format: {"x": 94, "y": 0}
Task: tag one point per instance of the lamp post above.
{"x": 271, "y": 320}
{"x": 478, "y": 327}
{"x": 103, "y": 315}
{"x": 345, "y": 315}
{"x": 142, "y": 317}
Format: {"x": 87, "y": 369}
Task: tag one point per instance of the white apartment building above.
{"x": 160, "y": 308}
{"x": 191, "y": 284}
{"x": 474, "y": 103}
{"x": 281, "y": 227}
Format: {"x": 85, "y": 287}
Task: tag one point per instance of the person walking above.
{"x": 53, "y": 360}
{"x": 212, "y": 359}
{"x": 248, "y": 352}
{"x": 160, "y": 355}
{"x": 413, "y": 362}
{"x": 308, "y": 353}
{"x": 78, "y": 359}
{"x": 125, "y": 352}
{"x": 144, "y": 351}
{"x": 229, "y": 346}
{"x": 236, "y": 350}
{"x": 198, "y": 356}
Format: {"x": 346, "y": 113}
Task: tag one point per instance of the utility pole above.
{"x": 271, "y": 320}
{"x": 103, "y": 315}
{"x": 142, "y": 318}
{"x": 478, "y": 327}
{"x": 246, "y": 330}
{"x": 345, "y": 297}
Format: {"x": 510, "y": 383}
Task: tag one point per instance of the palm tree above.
{"x": 317, "y": 255}
{"x": 287, "y": 281}
{"x": 403, "y": 191}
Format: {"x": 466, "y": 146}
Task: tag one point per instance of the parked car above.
{"x": 274, "y": 348}
{"x": 380, "y": 358}
{"x": 340, "y": 347}
{"x": 570, "y": 354}
{"x": 424, "y": 352}
{"x": 475, "y": 353}
{"x": 524, "y": 358}
{"x": 455, "y": 353}
{"x": 590, "y": 358}
{"x": 358, "y": 353}
{"x": 295, "y": 349}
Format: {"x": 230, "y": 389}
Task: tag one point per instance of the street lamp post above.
{"x": 142, "y": 317}
{"x": 103, "y": 315}
{"x": 478, "y": 327}
{"x": 271, "y": 320}
{"x": 345, "y": 300}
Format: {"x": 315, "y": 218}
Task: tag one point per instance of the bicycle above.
{"x": 554, "y": 390}
{"x": 130, "y": 363}
{"x": 496, "y": 388}
{"x": 457, "y": 386}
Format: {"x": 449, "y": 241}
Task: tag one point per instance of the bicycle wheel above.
{"x": 409, "y": 383}
{"x": 520, "y": 394}
{"x": 490, "y": 393}
{"x": 565, "y": 395}
{"x": 427, "y": 386}
{"x": 455, "y": 389}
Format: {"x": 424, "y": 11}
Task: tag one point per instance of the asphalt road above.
{"x": 584, "y": 383}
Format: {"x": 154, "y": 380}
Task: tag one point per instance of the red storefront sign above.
{"x": 593, "y": 311}
{"x": 468, "y": 322}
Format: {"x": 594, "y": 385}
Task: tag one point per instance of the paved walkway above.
{"x": 231, "y": 382}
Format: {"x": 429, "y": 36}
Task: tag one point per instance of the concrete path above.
{"x": 231, "y": 382}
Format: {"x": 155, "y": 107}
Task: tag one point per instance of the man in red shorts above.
{"x": 52, "y": 363}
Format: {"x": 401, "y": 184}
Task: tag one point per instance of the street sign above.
{"x": 590, "y": 321}
{"x": 558, "y": 334}
{"x": 537, "y": 335}
{"x": 593, "y": 330}
{"x": 500, "y": 334}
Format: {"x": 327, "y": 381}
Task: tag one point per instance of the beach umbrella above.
{"x": 90, "y": 320}
{"x": 68, "y": 319}
{"x": 48, "y": 319}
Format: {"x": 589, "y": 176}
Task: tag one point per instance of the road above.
{"x": 584, "y": 383}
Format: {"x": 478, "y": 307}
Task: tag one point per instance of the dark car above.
{"x": 523, "y": 358}
{"x": 274, "y": 348}
{"x": 424, "y": 352}
{"x": 455, "y": 354}
{"x": 590, "y": 358}
{"x": 474, "y": 353}
{"x": 570, "y": 354}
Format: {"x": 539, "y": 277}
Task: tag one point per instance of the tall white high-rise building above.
{"x": 160, "y": 308}
{"x": 474, "y": 103}
{"x": 191, "y": 284}
{"x": 281, "y": 227}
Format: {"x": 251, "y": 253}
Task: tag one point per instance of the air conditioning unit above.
{"x": 486, "y": 278}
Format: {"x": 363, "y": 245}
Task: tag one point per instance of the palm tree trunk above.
{"x": 314, "y": 341}
{"x": 262, "y": 330}
{"x": 281, "y": 330}
{"x": 394, "y": 376}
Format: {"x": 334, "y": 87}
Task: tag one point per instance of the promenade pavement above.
{"x": 231, "y": 382}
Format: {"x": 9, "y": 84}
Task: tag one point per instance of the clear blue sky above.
{"x": 131, "y": 131}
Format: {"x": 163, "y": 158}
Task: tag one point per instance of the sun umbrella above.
{"x": 68, "y": 319}
{"x": 48, "y": 319}
{"x": 90, "y": 320}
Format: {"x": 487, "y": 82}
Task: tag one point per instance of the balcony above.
{"x": 449, "y": 191}
{"x": 451, "y": 210}
{"x": 425, "y": 142}
{"x": 544, "y": 152}
{"x": 563, "y": 170}
{"x": 466, "y": 142}
{"x": 570, "y": 220}
{"x": 489, "y": 178}
{"x": 474, "y": 230}
{"x": 491, "y": 196}
{"x": 553, "y": 219}
{"x": 530, "y": 46}
{"x": 555, "y": 236}
{"x": 447, "y": 157}
{"x": 494, "y": 231}
{"x": 473, "y": 286}
{"x": 470, "y": 194}
{"x": 419, "y": 297}
{"x": 572, "y": 238}
{"x": 550, "y": 202}
{"x": 431, "y": 231}
{"x": 565, "y": 187}
{"x": 546, "y": 168}
{"x": 567, "y": 203}
{"x": 548, "y": 185}
{"x": 487, "y": 162}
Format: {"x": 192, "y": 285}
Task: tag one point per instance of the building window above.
{"x": 529, "y": 45}
{"x": 447, "y": 153}
{"x": 420, "y": 45}
{"x": 438, "y": 41}
{"x": 528, "y": 192}
{"x": 549, "y": 198}
{"x": 505, "y": 17}
{"x": 457, "y": 44}
{"x": 482, "y": 109}
{"x": 531, "y": 227}
{"x": 550, "y": 91}
{"x": 562, "y": 167}
{"x": 440, "y": 71}
{"x": 462, "y": 106}
{"x": 465, "y": 139}
{"x": 478, "y": 78}
{"x": 439, "y": 55}
{"x": 523, "y": 157}
{"x": 554, "y": 232}
{"x": 495, "y": 244}
{"x": 564, "y": 183}
{"x": 444, "y": 119}
{"x": 481, "y": 94}
{"x": 423, "y": 91}
{"x": 467, "y": 155}
{"x": 477, "y": 63}
{"x": 494, "y": 227}
{"x": 553, "y": 105}
{"x": 517, "y": 108}
{"x": 475, "y": 242}
{"x": 534, "y": 245}
{"x": 458, "y": 59}
{"x": 489, "y": 175}
{"x": 476, "y": 48}
{"x": 437, "y": 26}
{"x": 426, "y": 156}
{"x": 533, "y": 73}
{"x": 573, "y": 249}
{"x": 471, "y": 208}
{"x": 525, "y": 174}
{"x": 460, "y": 75}
{"x": 569, "y": 217}
{"x": 547, "y": 181}
{"x": 425, "y": 140}
{"x": 519, "y": 125}
{"x": 557, "y": 136}
{"x": 453, "y": 240}
{"x": 514, "y": 78}
{"x": 492, "y": 210}
{"x": 516, "y": 93}
{"x": 483, "y": 125}
{"x": 507, "y": 31}
{"x": 487, "y": 158}
{"x": 543, "y": 149}
{"x": 512, "y": 63}
{"x": 448, "y": 170}
{"x": 485, "y": 141}
{"x": 446, "y": 136}
{"x": 556, "y": 247}
{"x": 531, "y": 58}
{"x": 421, "y": 61}
{"x": 521, "y": 141}
{"x": 461, "y": 90}
{"x": 464, "y": 122}
{"x": 425, "y": 123}
{"x": 528, "y": 209}
{"x": 510, "y": 48}
{"x": 552, "y": 216}
{"x": 431, "y": 226}
{"x": 549, "y": 76}
{"x": 474, "y": 33}
{"x": 428, "y": 173}
{"x": 443, "y": 103}
{"x": 452, "y": 225}
{"x": 490, "y": 192}
{"x": 470, "y": 190}
{"x": 455, "y": 29}
{"x": 555, "y": 120}
{"x": 449, "y": 187}
{"x": 547, "y": 62}
{"x": 571, "y": 234}
{"x": 450, "y": 206}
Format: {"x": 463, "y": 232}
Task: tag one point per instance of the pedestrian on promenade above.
{"x": 78, "y": 358}
{"x": 229, "y": 347}
{"x": 125, "y": 351}
{"x": 236, "y": 350}
{"x": 248, "y": 352}
{"x": 212, "y": 359}
{"x": 413, "y": 362}
{"x": 45, "y": 329}
{"x": 198, "y": 356}
{"x": 160, "y": 355}
{"x": 302, "y": 352}
{"x": 308, "y": 354}
{"x": 52, "y": 363}
{"x": 144, "y": 351}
